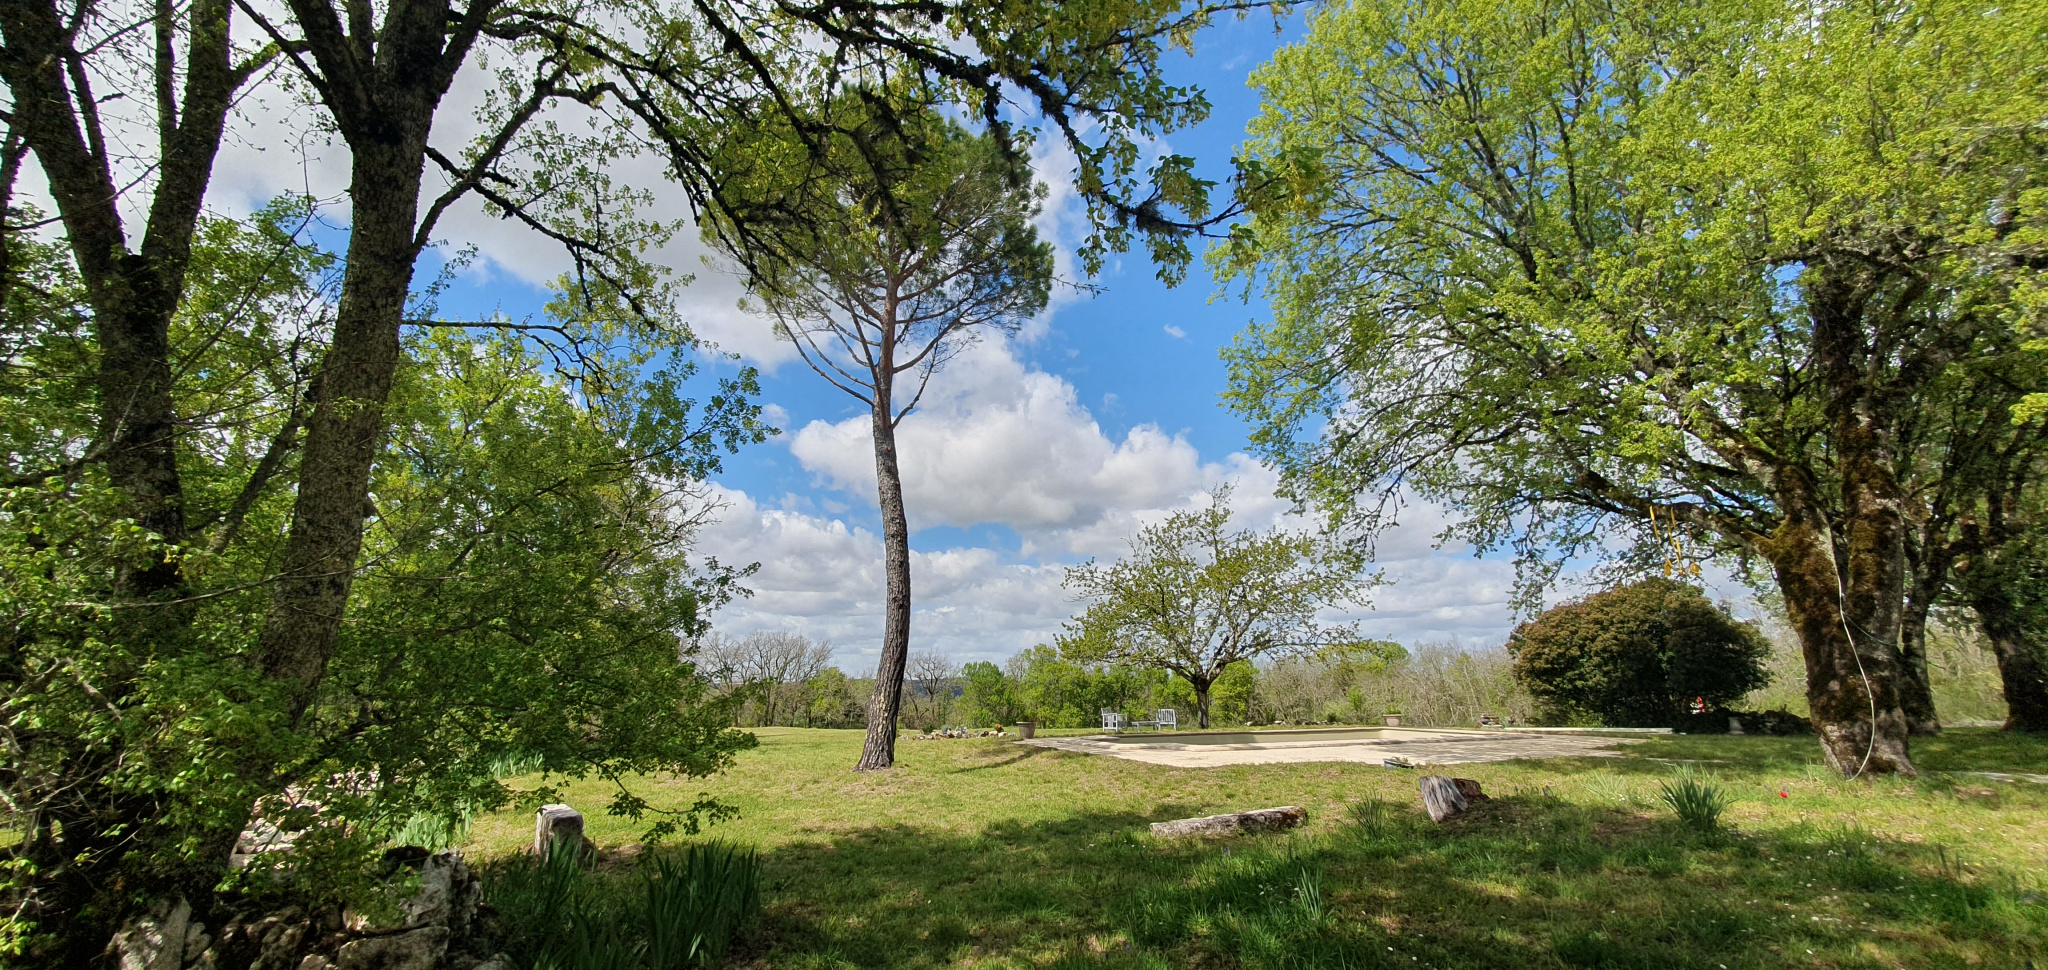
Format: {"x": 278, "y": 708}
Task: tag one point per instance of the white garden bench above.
{"x": 1164, "y": 719}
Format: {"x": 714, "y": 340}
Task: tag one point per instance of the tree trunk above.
{"x": 133, "y": 295}
{"x": 1916, "y": 692}
{"x": 347, "y": 419}
{"x": 887, "y": 700}
{"x": 1851, "y": 688}
{"x": 2020, "y": 664}
{"x": 1849, "y": 613}
{"x": 1202, "y": 700}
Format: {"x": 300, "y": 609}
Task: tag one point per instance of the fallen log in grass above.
{"x": 1260, "y": 820}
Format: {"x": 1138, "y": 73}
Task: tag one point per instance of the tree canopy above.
{"x": 522, "y": 593}
{"x": 1657, "y": 277}
{"x": 1196, "y": 597}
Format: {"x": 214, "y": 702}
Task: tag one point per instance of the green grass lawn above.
{"x": 985, "y": 853}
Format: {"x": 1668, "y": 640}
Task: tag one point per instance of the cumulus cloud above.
{"x": 1001, "y": 444}
{"x": 995, "y": 442}
{"x": 823, "y": 578}
{"x": 1174, "y": 332}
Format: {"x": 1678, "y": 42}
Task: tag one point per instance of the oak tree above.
{"x": 1660, "y": 278}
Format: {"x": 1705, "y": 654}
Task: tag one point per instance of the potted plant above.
{"x": 1027, "y": 729}
{"x": 1393, "y": 717}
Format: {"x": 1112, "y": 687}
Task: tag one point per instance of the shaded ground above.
{"x": 981, "y": 853}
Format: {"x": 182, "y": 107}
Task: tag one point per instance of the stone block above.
{"x": 556, "y": 823}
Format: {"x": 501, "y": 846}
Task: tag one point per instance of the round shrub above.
{"x": 1638, "y": 656}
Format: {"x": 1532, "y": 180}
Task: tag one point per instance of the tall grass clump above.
{"x": 538, "y": 901}
{"x": 1308, "y": 896}
{"x": 512, "y": 765}
{"x": 693, "y": 907}
{"x": 683, "y": 911}
{"x": 1698, "y": 804}
{"x": 433, "y": 832}
{"x": 1372, "y": 818}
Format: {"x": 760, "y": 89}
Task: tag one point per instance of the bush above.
{"x": 1638, "y": 656}
{"x": 1777, "y": 721}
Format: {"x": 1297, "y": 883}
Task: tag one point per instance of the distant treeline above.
{"x": 789, "y": 681}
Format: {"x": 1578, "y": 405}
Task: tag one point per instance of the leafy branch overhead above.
{"x": 1090, "y": 72}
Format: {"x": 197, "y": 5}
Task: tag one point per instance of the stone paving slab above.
{"x": 1446, "y": 748}
{"x": 2009, "y": 776}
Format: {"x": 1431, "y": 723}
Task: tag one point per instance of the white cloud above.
{"x": 824, "y": 579}
{"x": 1174, "y": 332}
{"x": 278, "y": 146}
{"x": 998, "y": 443}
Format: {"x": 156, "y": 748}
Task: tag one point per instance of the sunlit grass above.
{"x": 984, "y": 853}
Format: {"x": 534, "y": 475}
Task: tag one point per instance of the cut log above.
{"x": 1261, "y": 820}
{"x": 1470, "y": 789}
{"x": 1440, "y": 796}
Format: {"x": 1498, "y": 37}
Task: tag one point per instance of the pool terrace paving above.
{"x": 1417, "y": 746}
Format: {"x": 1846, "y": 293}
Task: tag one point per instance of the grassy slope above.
{"x": 976, "y": 853}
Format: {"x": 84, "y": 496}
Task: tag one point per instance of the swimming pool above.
{"x": 1284, "y": 736}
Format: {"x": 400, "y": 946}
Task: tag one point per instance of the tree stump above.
{"x": 1470, "y": 789}
{"x": 1261, "y": 820}
{"x": 556, "y": 823}
{"x": 1442, "y": 799}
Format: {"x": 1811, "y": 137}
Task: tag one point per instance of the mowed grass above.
{"x": 985, "y": 853}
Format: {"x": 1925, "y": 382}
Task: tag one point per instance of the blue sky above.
{"x": 1028, "y": 455}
